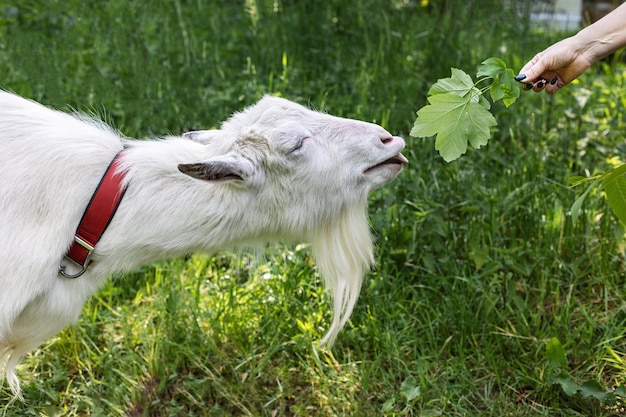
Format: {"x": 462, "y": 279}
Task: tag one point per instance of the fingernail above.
{"x": 520, "y": 77}
{"x": 554, "y": 80}
{"x": 541, "y": 84}
{"x": 528, "y": 86}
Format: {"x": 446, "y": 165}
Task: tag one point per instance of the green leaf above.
{"x": 429, "y": 412}
{"x": 456, "y": 121}
{"x": 491, "y": 68}
{"x": 576, "y": 207}
{"x": 616, "y": 196}
{"x": 555, "y": 354}
{"x": 410, "y": 388}
{"x": 503, "y": 86}
{"x": 567, "y": 383}
{"x": 614, "y": 184}
{"x": 388, "y": 405}
{"x": 588, "y": 389}
{"x": 593, "y": 389}
{"x": 459, "y": 84}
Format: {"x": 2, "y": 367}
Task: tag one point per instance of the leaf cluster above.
{"x": 613, "y": 183}
{"x": 557, "y": 375}
{"x": 458, "y": 112}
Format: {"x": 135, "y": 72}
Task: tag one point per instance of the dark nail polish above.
{"x": 528, "y": 86}
{"x": 554, "y": 80}
{"x": 541, "y": 84}
{"x": 520, "y": 77}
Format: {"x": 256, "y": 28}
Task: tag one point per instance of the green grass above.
{"x": 479, "y": 264}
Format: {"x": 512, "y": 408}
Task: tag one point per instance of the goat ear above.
{"x": 201, "y": 136}
{"x": 222, "y": 168}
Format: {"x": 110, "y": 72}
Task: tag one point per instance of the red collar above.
{"x": 96, "y": 218}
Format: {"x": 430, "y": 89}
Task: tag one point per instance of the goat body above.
{"x": 275, "y": 171}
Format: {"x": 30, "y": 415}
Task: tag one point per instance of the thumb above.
{"x": 531, "y": 71}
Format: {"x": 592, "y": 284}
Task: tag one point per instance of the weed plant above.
{"x": 479, "y": 263}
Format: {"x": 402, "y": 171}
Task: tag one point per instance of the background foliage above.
{"x": 487, "y": 299}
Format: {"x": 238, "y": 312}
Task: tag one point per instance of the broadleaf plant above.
{"x": 458, "y": 113}
{"x": 556, "y": 374}
{"x": 613, "y": 183}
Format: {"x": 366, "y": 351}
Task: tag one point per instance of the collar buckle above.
{"x": 83, "y": 266}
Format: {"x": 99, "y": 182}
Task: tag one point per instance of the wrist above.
{"x": 603, "y": 37}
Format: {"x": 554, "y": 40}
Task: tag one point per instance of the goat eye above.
{"x": 299, "y": 144}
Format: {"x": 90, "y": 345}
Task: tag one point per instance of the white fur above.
{"x": 300, "y": 176}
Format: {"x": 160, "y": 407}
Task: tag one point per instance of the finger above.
{"x": 520, "y": 77}
{"x": 532, "y": 70}
{"x": 554, "y": 85}
{"x": 539, "y": 85}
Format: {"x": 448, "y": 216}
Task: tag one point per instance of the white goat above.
{"x": 276, "y": 171}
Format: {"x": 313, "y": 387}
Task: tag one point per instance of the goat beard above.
{"x": 343, "y": 253}
{"x": 8, "y": 362}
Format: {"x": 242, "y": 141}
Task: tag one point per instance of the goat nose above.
{"x": 386, "y": 139}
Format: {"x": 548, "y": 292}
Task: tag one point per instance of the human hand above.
{"x": 554, "y": 67}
